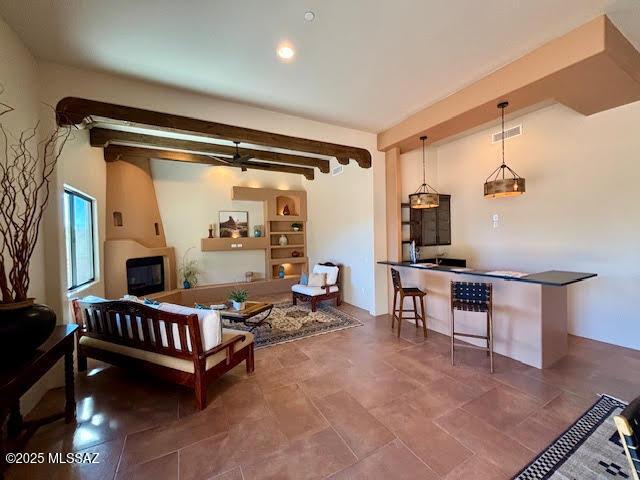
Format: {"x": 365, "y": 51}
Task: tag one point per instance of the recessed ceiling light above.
{"x": 285, "y": 51}
{"x": 309, "y": 16}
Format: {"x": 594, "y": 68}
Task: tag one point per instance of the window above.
{"x": 79, "y": 231}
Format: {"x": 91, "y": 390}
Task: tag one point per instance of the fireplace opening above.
{"x": 145, "y": 275}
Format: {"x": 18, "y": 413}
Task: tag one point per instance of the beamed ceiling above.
{"x": 367, "y": 64}
{"x": 126, "y": 132}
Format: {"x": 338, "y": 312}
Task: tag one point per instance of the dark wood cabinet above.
{"x": 432, "y": 226}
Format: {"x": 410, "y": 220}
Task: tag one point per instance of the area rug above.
{"x": 289, "y": 323}
{"x": 589, "y": 449}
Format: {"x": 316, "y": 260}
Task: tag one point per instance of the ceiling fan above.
{"x": 237, "y": 160}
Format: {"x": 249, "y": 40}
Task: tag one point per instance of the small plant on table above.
{"x": 238, "y": 299}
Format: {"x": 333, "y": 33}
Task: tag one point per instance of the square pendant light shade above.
{"x": 504, "y": 187}
{"x": 424, "y": 200}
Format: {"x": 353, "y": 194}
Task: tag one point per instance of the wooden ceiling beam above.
{"x": 103, "y": 137}
{"x": 74, "y": 111}
{"x": 114, "y": 153}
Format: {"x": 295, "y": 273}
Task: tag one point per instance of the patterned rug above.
{"x": 289, "y": 323}
{"x": 589, "y": 449}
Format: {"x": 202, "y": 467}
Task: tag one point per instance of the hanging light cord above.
{"x": 425, "y": 187}
{"x": 424, "y": 168}
{"x": 496, "y": 173}
{"x": 502, "y": 136}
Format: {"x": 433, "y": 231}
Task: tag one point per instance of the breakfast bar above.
{"x": 529, "y": 310}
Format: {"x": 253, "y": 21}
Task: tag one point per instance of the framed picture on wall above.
{"x": 233, "y": 224}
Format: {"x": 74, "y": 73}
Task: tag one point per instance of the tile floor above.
{"x": 355, "y": 404}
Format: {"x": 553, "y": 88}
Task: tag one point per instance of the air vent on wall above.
{"x": 337, "y": 170}
{"x": 509, "y": 133}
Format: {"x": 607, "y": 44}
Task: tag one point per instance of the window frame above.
{"x": 72, "y": 192}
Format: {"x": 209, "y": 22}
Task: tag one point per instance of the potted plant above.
{"x": 189, "y": 271}
{"x": 296, "y": 227}
{"x": 238, "y": 299}
{"x": 27, "y": 166}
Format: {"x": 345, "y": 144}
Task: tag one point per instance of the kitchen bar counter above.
{"x": 553, "y": 278}
{"x": 529, "y": 311}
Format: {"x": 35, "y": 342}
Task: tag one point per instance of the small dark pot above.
{"x": 23, "y": 330}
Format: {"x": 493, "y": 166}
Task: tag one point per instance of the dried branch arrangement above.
{"x": 27, "y": 164}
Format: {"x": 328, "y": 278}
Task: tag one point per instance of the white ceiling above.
{"x": 362, "y": 63}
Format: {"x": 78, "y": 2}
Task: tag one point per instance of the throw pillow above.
{"x": 304, "y": 279}
{"x": 132, "y": 298}
{"x": 332, "y": 273}
{"x": 210, "y": 325}
{"x": 317, "y": 279}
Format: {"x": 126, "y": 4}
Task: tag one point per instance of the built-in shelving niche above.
{"x": 278, "y": 224}
{"x": 292, "y": 203}
{"x": 293, "y": 255}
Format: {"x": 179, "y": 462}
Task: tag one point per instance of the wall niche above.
{"x": 287, "y": 206}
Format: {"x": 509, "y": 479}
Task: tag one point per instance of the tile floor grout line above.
{"x": 503, "y": 382}
{"x": 465, "y": 461}
{"x": 487, "y": 424}
{"x": 124, "y": 442}
{"x": 358, "y": 460}
{"x": 172, "y": 451}
{"x": 146, "y": 461}
{"x": 334, "y": 429}
{"x": 419, "y": 459}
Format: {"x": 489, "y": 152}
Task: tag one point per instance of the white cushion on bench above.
{"x": 313, "y": 291}
{"x": 167, "y": 360}
{"x": 210, "y": 325}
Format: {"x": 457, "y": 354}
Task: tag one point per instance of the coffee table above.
{"x": 251, "y": 310}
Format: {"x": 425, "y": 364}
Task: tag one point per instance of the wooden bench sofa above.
{"x": 133, "y": 335}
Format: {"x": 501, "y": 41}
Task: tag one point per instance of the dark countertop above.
{"x": 554, "y": 278}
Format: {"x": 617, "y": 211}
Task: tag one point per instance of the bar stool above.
{"x": 472, "y": 297}
{"x": 403, "y": 292}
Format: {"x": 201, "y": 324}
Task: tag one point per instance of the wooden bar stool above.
{"x": 403, "y": 292}
{"x": 472, "y": 297}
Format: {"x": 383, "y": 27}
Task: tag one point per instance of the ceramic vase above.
{"x": 238, "y": 305}
{"x": 283, "y": 240}
{"x": 24, "y": 327}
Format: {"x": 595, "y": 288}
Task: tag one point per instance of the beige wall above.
{"x": 83, "y": 169}
{"x": 342, "y": 212}
{"x": 341, "y": 229}
{"x": 579, "y": 212}
{"x": 18, "y": 77}
{"x": 130, "y": 191}
{"x": 190, "y": 197}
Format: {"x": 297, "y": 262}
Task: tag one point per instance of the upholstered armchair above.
{"x": 324, "y": 283}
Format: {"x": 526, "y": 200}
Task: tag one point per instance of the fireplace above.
{"x": 145, "y": 275}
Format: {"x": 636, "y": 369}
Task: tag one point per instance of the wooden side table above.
{"x": 16, "y": 380}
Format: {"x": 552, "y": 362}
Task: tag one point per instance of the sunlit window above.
{"x": 79, "y": 233}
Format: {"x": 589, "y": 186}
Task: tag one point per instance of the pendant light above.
{"x": 503, "y": 181}
{"x": 426, "y": 196}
